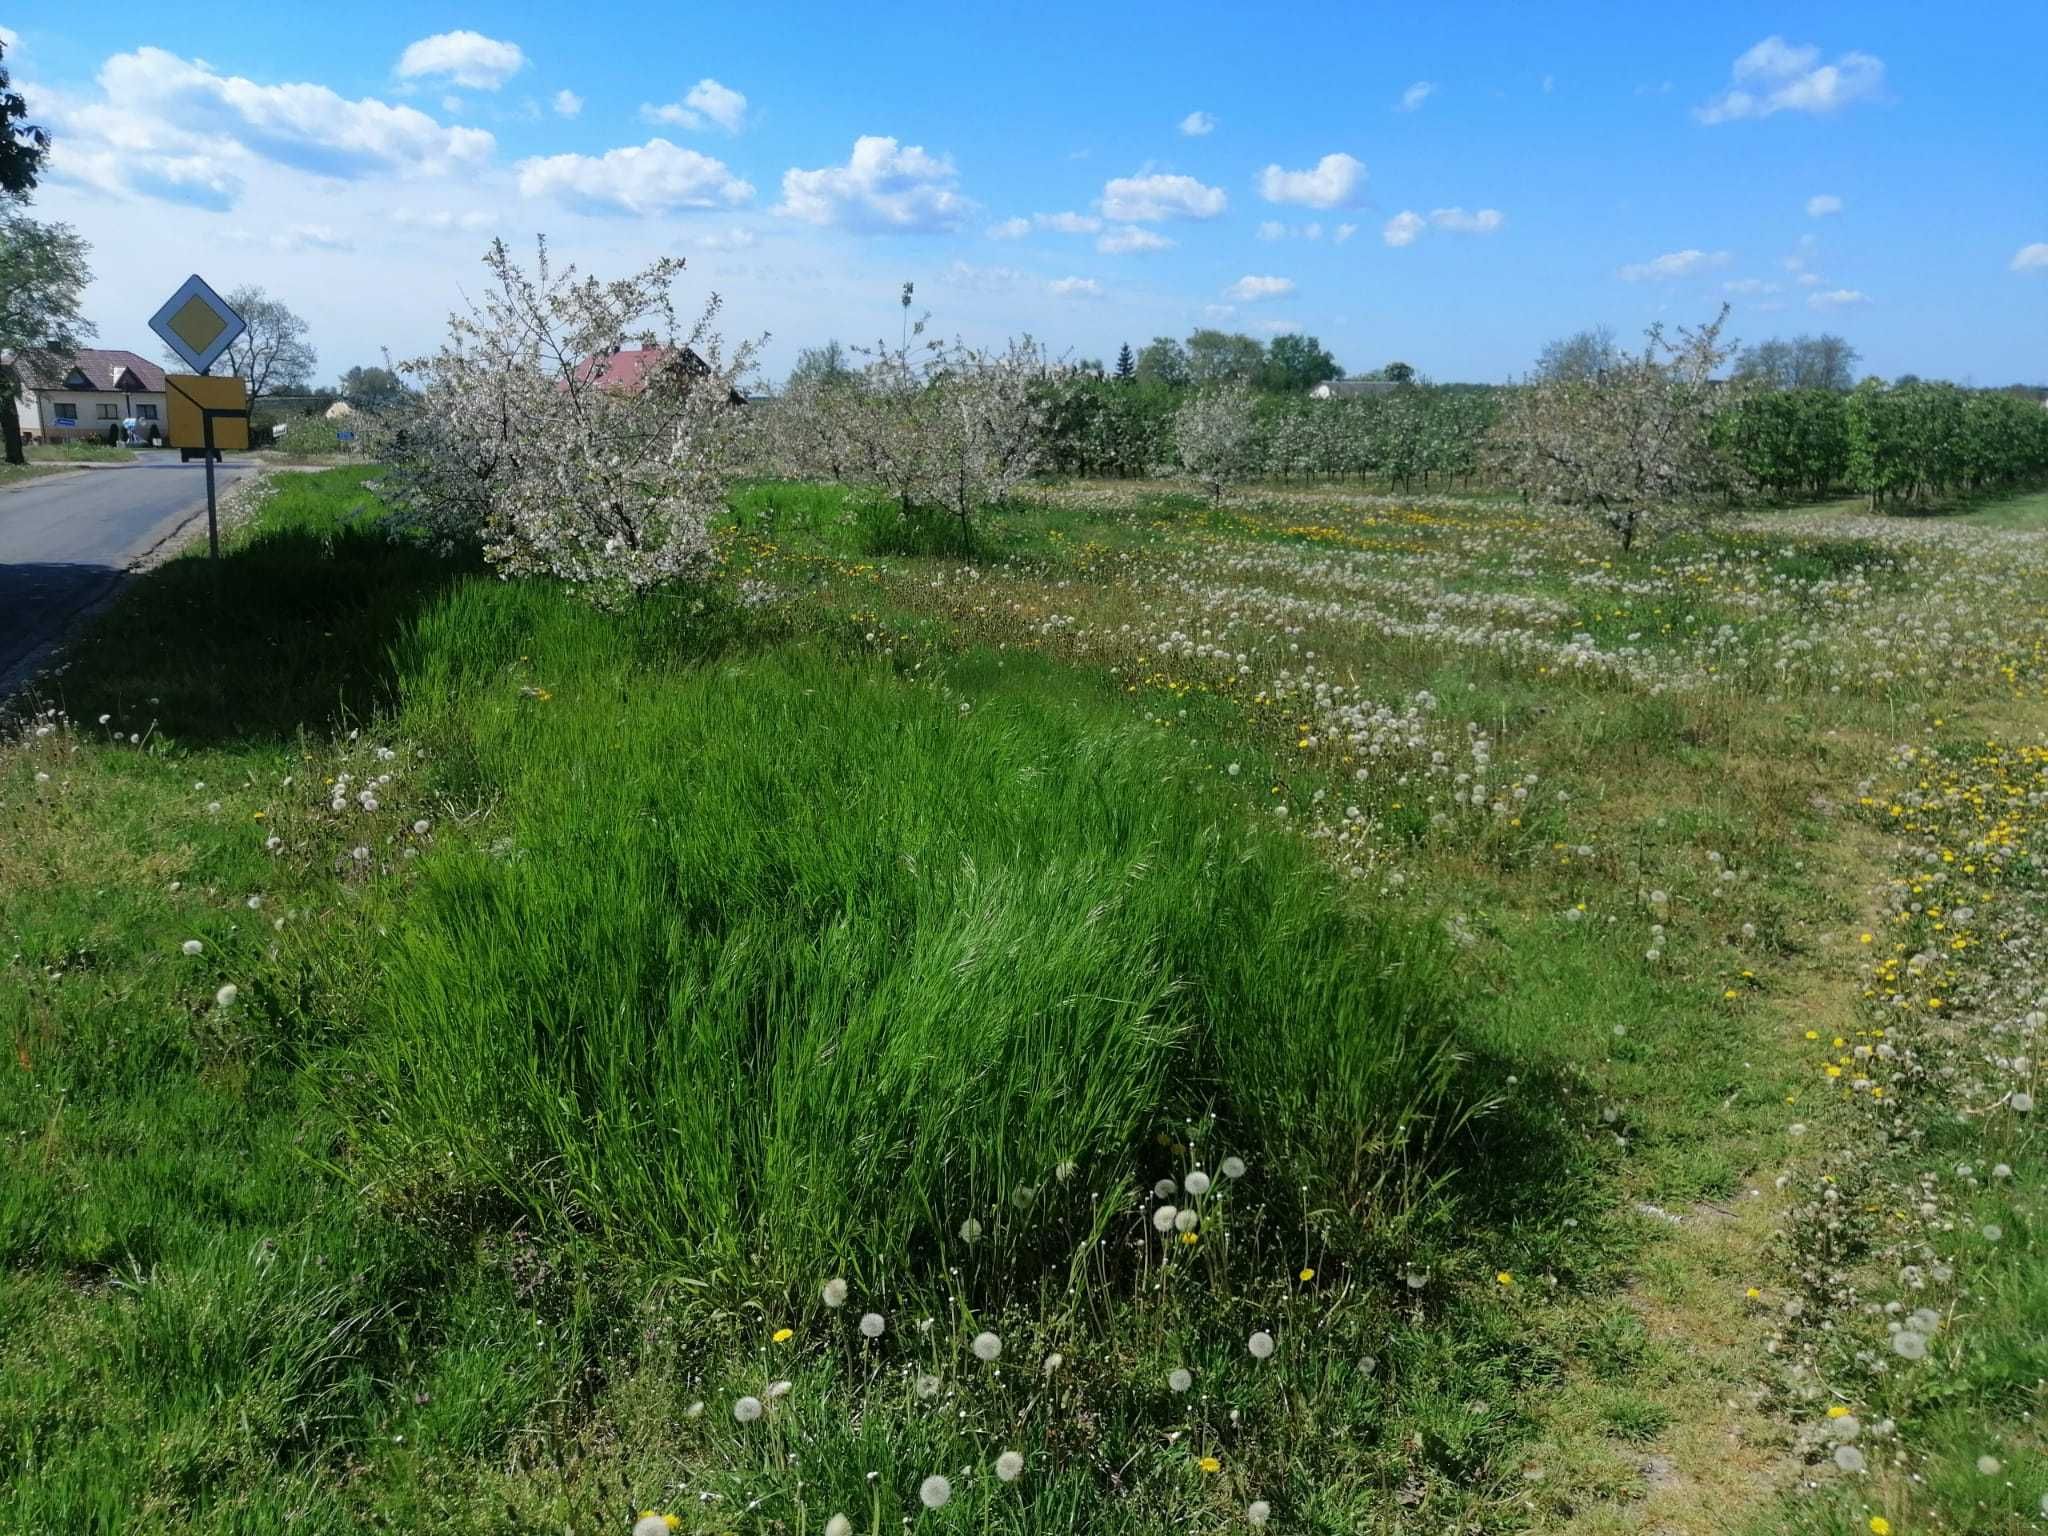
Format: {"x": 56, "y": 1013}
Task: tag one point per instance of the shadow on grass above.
{"x": 292, "y": 628}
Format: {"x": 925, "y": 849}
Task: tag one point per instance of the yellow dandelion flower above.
{"x": 1813, "y": 1034}
{"x": 1838, "y": 1410}
{"x": 1865, "y": 939}
{"x": 1504, "y": 1278}
{"x": 1210, "y": 1464}
{"x": 1307, "y": 1275}
{"x": 1191, "y": 1238}
{"x": 1879, "y": 1526}
{"x": 1754, "y": 1294}
{"x": 784, "y": 1335}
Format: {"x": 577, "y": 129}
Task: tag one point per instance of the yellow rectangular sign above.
{"x": 188, "y": 393}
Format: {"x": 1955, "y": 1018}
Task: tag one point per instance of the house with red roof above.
{"x": 83, "y": 395}
{"x": 633, "y": 369}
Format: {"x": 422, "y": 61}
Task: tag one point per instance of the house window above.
{"x": 145, "y": 413}
{"x": 77, "y": 380}
{"x": 109, "y": 412}
{"x": 67, "y": 413}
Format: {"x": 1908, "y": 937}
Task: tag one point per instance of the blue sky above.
{"x": 1451, "y": 186}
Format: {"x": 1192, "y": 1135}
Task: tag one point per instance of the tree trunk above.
{"x": 10, "y": 421}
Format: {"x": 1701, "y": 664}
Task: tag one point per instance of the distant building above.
{"x": 92, "y": 391}
{"x": 1352, "y": 389}
{"x": 635, "y": 368}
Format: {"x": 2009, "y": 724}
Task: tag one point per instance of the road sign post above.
{"x": 197, "y": 324}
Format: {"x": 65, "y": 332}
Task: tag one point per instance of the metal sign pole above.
{"x": 212, "y": 520}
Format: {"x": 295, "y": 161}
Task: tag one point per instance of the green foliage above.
{"x": 887, "y": 976}
{"x": 1910, "y": 443}
{"x": 1295, "y": 364}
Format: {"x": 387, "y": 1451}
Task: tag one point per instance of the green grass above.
{"x": 81, "y": 453}
{"x": 682, "y": 959}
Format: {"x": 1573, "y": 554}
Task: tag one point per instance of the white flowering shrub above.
{"x": 520, "y": 441}
{"x": 1218, "y": 436}
{"x": 927, "y": 425}
{"x": 1635, "y": 440}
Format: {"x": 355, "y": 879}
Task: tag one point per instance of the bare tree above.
{"x": 272, "y": 355}
{"x": 1581, "y": 355}
{"x": 1633, "y": 441}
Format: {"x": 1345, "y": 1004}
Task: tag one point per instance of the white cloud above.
{"x": 1749, "y": 287}
{"x": 567, "y": 103}
{"x": 1333, "y": 183}
{"x": 1777, "y": 76}
{"x": 966, "y": 275}
{"x": 1403, "y": 227}
{"x": 1483, "y": 221}
{"x": 312, "y": 237}
{"x": 1344, "y": 232}
{"x": 1248, "y": 288}
{"x": 1196, "y": 124}
{"x": 1821, "y": 204}
{"x": 1075, "y": 287}
{"x": 726, "y": 240}
{"x": 1218, "y": 311}
{"x": 1809, "y": 279}
{"x": 1272, "y": 229}
{"x": 706, "y": 101}
{"x": 463, "y": 58}
{"x": 1149, "y": 199}
{"x": 1130, "y": 238}
{"x": 882, "y": 186}
{"x": 655, "y": 177}
{"x": 1058, "y": 223}
{"x": 10, "y": 40}
{"x": 1549, "y": 84}
{"x": 1416, "y": 95}
{"x": 442, "y": 219}
{"x": 1673, "y": 264}
{"x": 1279, "y": 327}
{"x": 174, "y": 130}
{"x": 1837, "y": 298}
{"x": 2031, "y": 258}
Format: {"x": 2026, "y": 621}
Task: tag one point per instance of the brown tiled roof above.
{"x": 103, "y": 367}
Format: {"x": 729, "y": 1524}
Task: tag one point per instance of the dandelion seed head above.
{"x": 987, "y": 1346}
{"x": 1180, "y": 1379}
{"x": 1258, "y": 1512}
{"x": 193, "y": 947}
{"x": 1186, "y": 1221}
{"x": 1053, "y": 1362}
{"x": 927, "y": 1387}
{"x": 873, "y": 1324}
{"x": 1261, "y": 1345}
{"x": 1848, "y": 1458}
{"x": 835, "y": 1292}
{"x": 1197, "y": 1183}
{"x": 1232, "y": 1168}
{"x": 935, "y": 1492}
{"x": 1009, "y": 1466}
{"x": 1990, "y": 1466}
{"x": 226, "y": 996}
{"x": 747, "y": 1409}
{"x": 1908, "y": 1345}
{"x": 2022, "y": 1102}
{"x": 1163, "y": 1218}
{"x": 839, "y": 1525}
{"x": 651, "y": 1524}
{"x": 970, "y": 1231}
{"x": 1164, "y": 1189}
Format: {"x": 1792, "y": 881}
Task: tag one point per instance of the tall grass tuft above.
{"x": 796, "y": 966}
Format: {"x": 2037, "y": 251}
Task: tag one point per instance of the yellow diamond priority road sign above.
{"x": 197, "y": 324}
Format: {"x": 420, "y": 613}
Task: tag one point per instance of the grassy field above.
{"x": 1343, "y": 1012}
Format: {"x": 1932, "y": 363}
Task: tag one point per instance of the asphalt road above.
{"x": 65, "y": 541}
